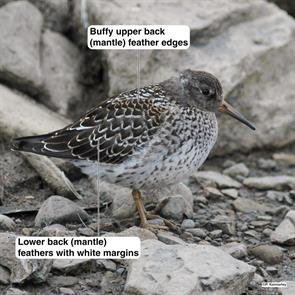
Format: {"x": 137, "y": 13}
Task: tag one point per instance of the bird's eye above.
{"x": 205, "y": 91}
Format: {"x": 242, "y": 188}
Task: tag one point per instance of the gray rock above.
{"x": 60, "y": 65}
{"x": 228, "y": 38}
{"x": 231, "y": 192}
{"x": 15, "y": 106}
{"x": 4, "y": 276}
{"x": 169, "y": 239}
{"x": 122, "y": 201}
{"x": 57, "y": 209}
{"x": 134, "y": 231}
{"x": 197, "y": 269}
{"x": 106, "y": 264}
{"x": 285, "y": 232}
{"x": 64, "y": 281}
{"x": 20, "y": 45}
{"x": 284, "y": 159}
{"x": 225, "y": 223}
{"x": 56, "y": 230}
{"x": 247, "y": 205}
{"x": 272, "y": 270}
{"x": 187, "y": 223}
{"x": 67, "y": 291}
{"x": 157, "y": 195}
{"x": 6, "y": 223}
{"x": 214, "y": 234}
{"x": 175, "y": 208}
{"x": 15, "y": 291}
{"x": 21, "y": 270}
{"x": 197, "y": 232}
{"x": 222, "y": 181}
{"x": 55, "y": 12}
{"x": 239, "y": 169}
{"x": 73, "y": 266}
{"x": 86, "y": 231}
{"x": 290, "y": 288}
{"x": 276, "y": 195}
{"x": 267, "y": 164}
{"x": 268, "y": 253}
{"x": 236, "y": 250}
{"x": 271, "y": 182}
{"x": 212, "y": 193}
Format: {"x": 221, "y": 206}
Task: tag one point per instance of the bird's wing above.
{"x": 119, "y": 126}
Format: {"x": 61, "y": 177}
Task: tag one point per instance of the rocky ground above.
{"x": 236, "y": 215}
{"x": 242, "y": 204}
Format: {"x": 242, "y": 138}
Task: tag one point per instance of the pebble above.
{"x": 62, "y": 281}
{"x": 268, "y": 253}
{"x": 247, "y": 205}
{"x": 197, "y": 232}
{"x": 175, "y": 208}
{"x": 216, "y": 233}
{"x": 285, "y": 232}
{"x": 280, "y": 182}
{"x": 225, "y": 223}
{"x": 6, "y": 223}
{"x": 284, "y": 159}
{"x": 230, "y": 192}
{"x": 275, "y": 195}
{"x": 15, "y": 291}
{"x": 56, "y": 230}
{"x": 259, "y": 223}
{"x": 239, "y": 169}
{"x": 228, "y": 163}
{"x": 212, "y": 193}
{"x": 86, "y": 231}
{"x": 236, "y": 250}
{"x": 72, "y": 266}
{"x": 222, "y": 181}
{"x": 267, "y": 232}
{"x": 27, "y": 231}
{"x": 187, "y": 223}
{"x": 272, "y": 270}
{"x": 253, "y": 234}
{"x": 201, "y": 199}
{"x": 186, "y": 235}
{"x": 267, "y": 164}
{"x": 106, "y": 264}
{"x": 57, "y": 209}
{"x": 66, "y": 291}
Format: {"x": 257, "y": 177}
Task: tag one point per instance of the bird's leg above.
{"x": 143, "y": 214}
{"x": 155, "y": 214}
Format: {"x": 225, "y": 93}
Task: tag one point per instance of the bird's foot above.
{"x": 167, "y": 223}
{"x": 155, "y": 228}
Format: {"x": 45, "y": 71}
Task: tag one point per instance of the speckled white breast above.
{"x": 178, "y": 149}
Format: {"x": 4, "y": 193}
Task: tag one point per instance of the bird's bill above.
{"x": 228, "y": 109}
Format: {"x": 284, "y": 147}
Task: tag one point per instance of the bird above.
{"x": 153, "y": 136}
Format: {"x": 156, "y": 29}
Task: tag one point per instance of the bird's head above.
{"x": 203, "y": 91}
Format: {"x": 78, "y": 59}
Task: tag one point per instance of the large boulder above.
{"x": 55, "y": 12}
{"x": 248, "y": 45}
{"x": 186, "y": 269}
{"x": 20, "y": 45}
{"x": 60, "y": 65}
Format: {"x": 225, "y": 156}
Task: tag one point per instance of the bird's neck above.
{"x": 174, "y": 89}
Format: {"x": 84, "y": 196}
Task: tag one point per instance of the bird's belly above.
{"x": 160, "y": 168}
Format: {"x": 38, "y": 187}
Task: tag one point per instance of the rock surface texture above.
{"x": 20, "y": 46}
{"x": 176, "y": 269}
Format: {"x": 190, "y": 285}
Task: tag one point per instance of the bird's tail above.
{"x": 32, "y": 144}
